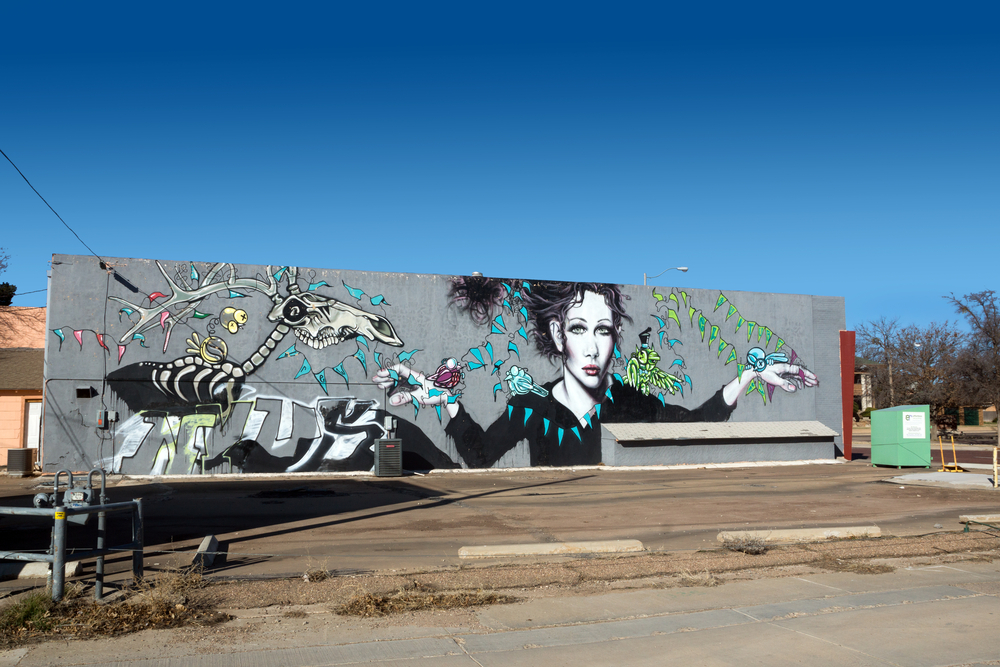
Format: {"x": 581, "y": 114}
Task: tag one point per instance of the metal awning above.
{"x": 769, "y": 431}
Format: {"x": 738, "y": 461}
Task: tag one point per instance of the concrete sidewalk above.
{"x": 942, "y": 615}
{"x": 948, "y": 479}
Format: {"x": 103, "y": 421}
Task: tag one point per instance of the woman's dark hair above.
{"x": 477, "y": 296}
{"x": 547, "y": 302}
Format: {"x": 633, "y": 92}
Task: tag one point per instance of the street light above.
{"x": 682, "y": 269}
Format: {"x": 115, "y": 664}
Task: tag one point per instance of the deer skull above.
{"x": 319, "y": 321}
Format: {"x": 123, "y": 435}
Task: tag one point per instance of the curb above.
{"x": 794, "y": 535}
{"x": 552, "y": 549}
{"x": 35, "y": 570}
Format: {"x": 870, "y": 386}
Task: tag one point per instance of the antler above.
{"x": 150, "y": 317}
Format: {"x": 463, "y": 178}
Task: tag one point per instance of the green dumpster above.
{"x": 901, "y": 436}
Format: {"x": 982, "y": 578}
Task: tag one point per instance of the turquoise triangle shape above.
{"x": 510, "y": 410}
{"x": 598, "y": 408}
{"x": 527, "y": 413}
{"x": 576, "y": 431}
{"x": 546, "y": 422}
{"x": 560, "y": 436}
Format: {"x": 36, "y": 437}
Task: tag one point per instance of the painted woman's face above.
{"x": 586, "y": 340}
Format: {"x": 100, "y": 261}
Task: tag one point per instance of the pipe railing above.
{"x": 59, "y": 554}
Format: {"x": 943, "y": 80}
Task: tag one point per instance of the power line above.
{"x": 50, "y": 207}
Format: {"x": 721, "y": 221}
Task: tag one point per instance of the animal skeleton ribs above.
{"x": 317, "y": 321}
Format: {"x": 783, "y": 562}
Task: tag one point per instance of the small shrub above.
{"x": 317, "y": 574}
{"x": 29, "y": 615}
{"x": 748, "y": 543}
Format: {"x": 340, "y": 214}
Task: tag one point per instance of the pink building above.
{"x": 22, "y": 360}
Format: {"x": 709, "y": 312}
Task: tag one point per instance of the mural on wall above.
{"x": 553, "y": 353}
{"x": 577, "y": 326}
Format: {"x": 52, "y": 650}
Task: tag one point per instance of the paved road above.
{"x": 943, "y": 615}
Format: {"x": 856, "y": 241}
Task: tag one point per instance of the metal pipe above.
{"x": 90, "y": 482}
{"x": 59, "y": 555}
{"x": 49, "y": 511}
{"x": 27, "y": 511}
{"x": 75, "y": 554}
{"x": 102, "y": 522}
{"x": 137, "y": 540}
{"x": 55, "y": 486}
{"x": 25, "y": 556}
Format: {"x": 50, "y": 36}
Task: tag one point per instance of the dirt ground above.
{"x": 276, "y": 610}
{"x": 584, "y": 576}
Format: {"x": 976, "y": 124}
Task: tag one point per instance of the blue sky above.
{"x": 846, "y": 150}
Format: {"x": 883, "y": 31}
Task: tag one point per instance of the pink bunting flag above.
{"x": 121, "y": 353}
{"x": 156, "y": 295}
{"x": 100, "y": 341}
{"x": 79, "y": 337}
{"x": 163, "y": 319}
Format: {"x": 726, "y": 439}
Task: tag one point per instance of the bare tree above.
{"x": 6, "y": 289}
{"x": 925, "y": 370}
{"x": 913, "y": 365}
{"x": 877, "y": 342}
{"x": 979, "y": 364}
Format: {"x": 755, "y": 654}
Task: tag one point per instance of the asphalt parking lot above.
{"x": 281, "y": 525}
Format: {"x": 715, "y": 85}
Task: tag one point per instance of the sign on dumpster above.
{"x": 913, "y": 426}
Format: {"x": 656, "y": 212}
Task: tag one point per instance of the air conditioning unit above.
{"x": 389, "y": 458}
{"x": 20, "y": 462}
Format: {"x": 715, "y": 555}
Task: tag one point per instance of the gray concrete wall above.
{"x": 230, "y": 368}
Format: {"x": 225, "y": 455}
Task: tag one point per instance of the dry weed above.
{"x": 414, "y": 598}
{"x": 828, "y": 562}
{"x": 168, "y": 599}
{"x": 706, "y": 579}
